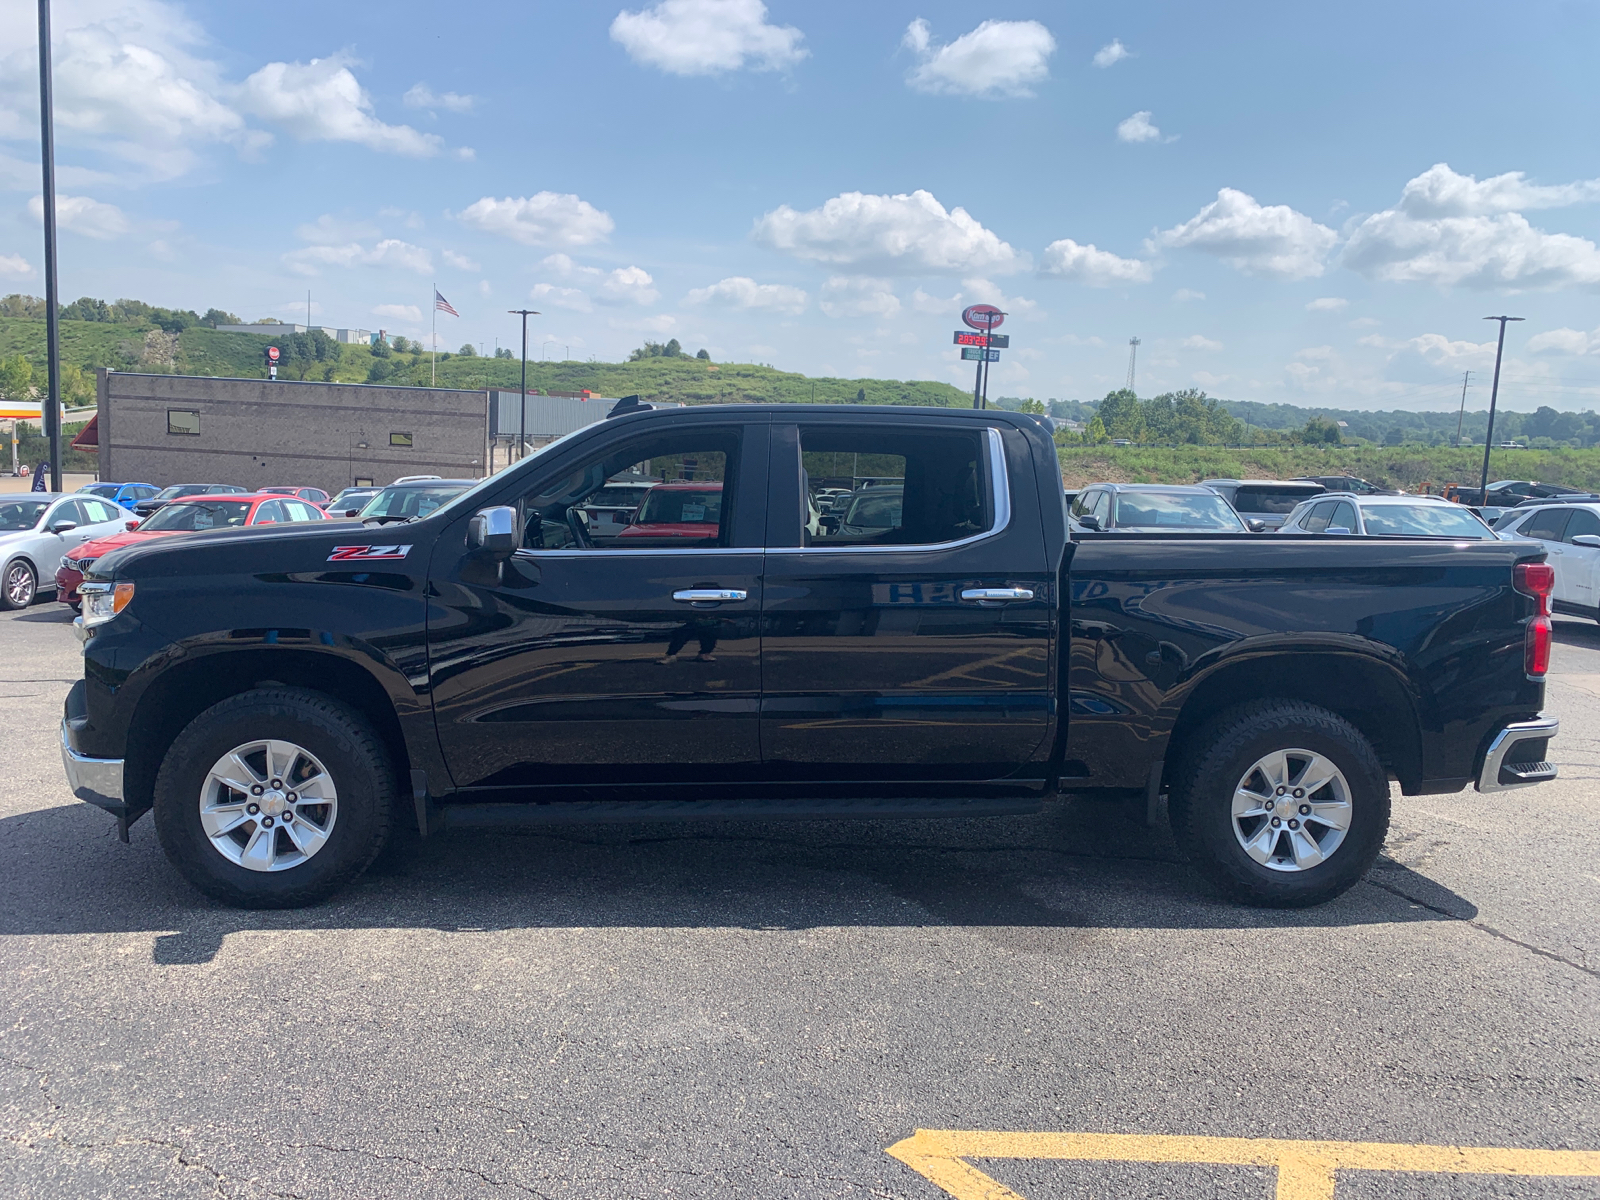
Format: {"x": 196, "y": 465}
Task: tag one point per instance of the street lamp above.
{"x": 542, "y": 353}
{"x": 1494, "y": 393}
{"x": 522, "y": 400}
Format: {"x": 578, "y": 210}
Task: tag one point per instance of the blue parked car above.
{"x": 125, "y": 494}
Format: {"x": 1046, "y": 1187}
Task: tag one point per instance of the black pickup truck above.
{"x": 290, "y": 700}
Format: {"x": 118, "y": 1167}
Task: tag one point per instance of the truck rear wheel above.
{"x": 274, "y": 798}
{"x": 1280, "y": 803}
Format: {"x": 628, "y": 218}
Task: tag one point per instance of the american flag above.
{"x": 443, "y": 305}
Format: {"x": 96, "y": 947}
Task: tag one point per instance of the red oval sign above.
{"x": 272, "y": 353}
{"x": 983, "y": 316}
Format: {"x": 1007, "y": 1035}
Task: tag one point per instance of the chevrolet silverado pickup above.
{"x": 289, "y": 700}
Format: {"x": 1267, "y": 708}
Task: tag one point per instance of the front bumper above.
{"x": 67, "y": 582}
{"x": 1505, "y": 768}
{"x": 95, "y": 780}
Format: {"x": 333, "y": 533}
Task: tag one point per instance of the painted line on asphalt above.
{"x": 1306, "y": 1170}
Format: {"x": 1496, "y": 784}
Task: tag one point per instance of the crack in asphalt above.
{"x": 417, "y": 1162}
{"x": 1484, "y": 927}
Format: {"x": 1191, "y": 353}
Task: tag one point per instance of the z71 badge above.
{"x": 367, "y": 553}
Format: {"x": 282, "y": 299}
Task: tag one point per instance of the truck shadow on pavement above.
{"x": 1040, "y": 884}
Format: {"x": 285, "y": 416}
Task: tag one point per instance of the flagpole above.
{"x": 435, "y": 380}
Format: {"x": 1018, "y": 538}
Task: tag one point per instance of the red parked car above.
{"x": 189, "y": 514}
{"x": 678, "y": 510}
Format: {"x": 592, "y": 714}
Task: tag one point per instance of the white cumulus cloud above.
{"x": 460, "y": 261}
{"x": 1110, "y": 55}
{"x": 1453, "y": 230}
{"x": 1327, "y": 304}
{"x": 399, "y": 312}
{"x": 997, "y": 59}
{"x": 923, "y": 302}
{"x": 858, "y": 296}
{"x": 80, "y": 214}
{"x": 555, "y": 296}
{"x": 707, "y": 37}
{"x": 1565, "y": 341}
{"x": 322, "y": 101}
{"x": 740, "y": 291}
{"x": 899, "y": 234}
{"x": 15, "y": 265}
{"x": 1183, "y": 295}
{"x": 1066, "y": 259}
{"x": 389, "y": 253}
{"x": 543, "y": 219}
{"x": 420, "y": 95}
{"x": 1271, "y": 240}
{"x": 628, "y": 285}
{"x": 1138, "y": 128}
{"x": 1197, "y": 341}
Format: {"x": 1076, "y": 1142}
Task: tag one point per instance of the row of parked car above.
{"x": 48, "y": 539}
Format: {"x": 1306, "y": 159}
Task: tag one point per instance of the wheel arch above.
{"x": 187, "y": 688}
{"x": 1371, "y": 694}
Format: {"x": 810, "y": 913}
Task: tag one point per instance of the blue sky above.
{"x": 1285, "y": 203}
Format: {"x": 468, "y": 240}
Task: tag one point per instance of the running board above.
{"x": 496, "y": 816}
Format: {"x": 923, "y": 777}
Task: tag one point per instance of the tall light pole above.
{"x": 52, "y": 326}
{"x": 1494, "y": 394}
{"x": 543, "y": 355}
{"x": 522, "y": 399}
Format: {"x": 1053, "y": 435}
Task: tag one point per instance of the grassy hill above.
{"x": 1407, "y": 467}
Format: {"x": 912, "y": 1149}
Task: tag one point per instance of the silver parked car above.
{"x": 1387, "y": 516}
{"x": 38, "y": 528}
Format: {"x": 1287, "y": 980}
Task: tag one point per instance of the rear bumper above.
{"x": 95, "y": 780}
{"x": 1504, "y": 768}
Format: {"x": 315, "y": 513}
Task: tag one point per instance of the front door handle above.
{"x": 708, "y": 595}
{"x": 993, "y": 595}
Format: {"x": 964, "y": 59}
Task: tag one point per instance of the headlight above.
{"x": 102, "y": 601}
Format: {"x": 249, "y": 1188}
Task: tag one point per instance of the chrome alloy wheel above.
{"x": 1291, "y": 810}
{"x": 19, "y": 585}
{"x": 268, "y": 805}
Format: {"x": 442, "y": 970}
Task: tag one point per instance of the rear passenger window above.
{"x": 1548, "y": 525}
{"x": 907, "y": 487}
{"x": 1582, "y": 521}
{"x": 1317, "y": 519}
{"x": 300, "y": 511}
{"x": 269, "y": 513}
{"x": 1344, "y": 517}
{"x": 99, "y": 511}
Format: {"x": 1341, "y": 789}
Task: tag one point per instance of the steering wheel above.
{"x": 580, "y": 531}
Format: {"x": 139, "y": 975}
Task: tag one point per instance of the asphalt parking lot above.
{"x": 760, "y": 1010}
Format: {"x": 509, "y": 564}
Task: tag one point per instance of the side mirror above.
{"x": 130, "y": 526}
{"x": 1254, "y": 525}
{"x": 63, "y": 526}
{"x": 352, "y": 512}
{"x": 1089, "y": 522}
{"x": 493, "y": 532}
{"x": 830, "y": 524}
{"x": 1587, "y": 539}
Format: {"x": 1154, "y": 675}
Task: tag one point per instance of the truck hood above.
{"x": 298, "y": 545}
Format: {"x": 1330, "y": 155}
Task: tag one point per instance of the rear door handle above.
{"x": 705, "y": 595}
{"x": 992, "y": 595}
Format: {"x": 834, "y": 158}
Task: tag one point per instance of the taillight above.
{"x": 1537, "y": 580}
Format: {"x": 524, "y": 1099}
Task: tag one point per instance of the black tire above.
{"x": 355, "y": 759}
{"x": 1201, "y": 800}
{"x": 20, "y": 580}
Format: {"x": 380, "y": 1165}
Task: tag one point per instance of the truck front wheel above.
{"x": 1280, "y": 803}
{"x": 274, "y": 798}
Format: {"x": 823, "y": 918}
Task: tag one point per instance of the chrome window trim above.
{"x": 999, "y": 489}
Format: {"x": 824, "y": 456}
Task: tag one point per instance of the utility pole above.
{"x": 1133, "y": 350}
{"x": 1494, "y": 395}
{"x": 1462, "y": 415}
{"x": 522, "y": 399}
{"x": 52, "y": 325}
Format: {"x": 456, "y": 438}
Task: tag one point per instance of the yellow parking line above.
{"x": 1306, "y": 1170}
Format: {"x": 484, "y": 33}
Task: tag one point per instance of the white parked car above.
{"x": 38, "y": 528}
{"x": 1571, "y": 537}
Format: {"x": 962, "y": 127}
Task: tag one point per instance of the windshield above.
{"x": 1423, "y": 520}
{"x": 181, "y": 489}
{"x": 619, "y": 495}
{"x": 664, "y": 506}
{"x": 98, "y": 489}
{"x": 1175, "y": 510}
{"x": 196, "y": 515}
{"x": 1268, "y": 501}
{"x": 21, "y": 514}
{"x": 410, "y": 501}
{"x": 878, "y": 509}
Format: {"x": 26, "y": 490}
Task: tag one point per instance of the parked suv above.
{"x": 125, "y": 494}
{"x": 1570, "y": 534}
{"x": 1263, "y": 503}
{"x": 1347, "y": 483}
{"x": 1386, "y": 516}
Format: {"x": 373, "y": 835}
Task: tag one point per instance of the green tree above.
{"x": 703, "y": 353}
{"x": 217, "y": 316}
{"x": 468, "y": 350}
{"x": 16, "y": 378}
{"x": 78, "y": 388}
{"x": 1321, "y": 431}
{"x": 380, "y": 348}
{"x": 1032, "y": 406}
{"x": 861, "y": 395}
{"x": 1121, "y": 415}
{"x": 1096, "y": 433}
{"x": 672, "y": 349}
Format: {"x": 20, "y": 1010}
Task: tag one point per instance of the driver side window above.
{"x": 673, "y": 490}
